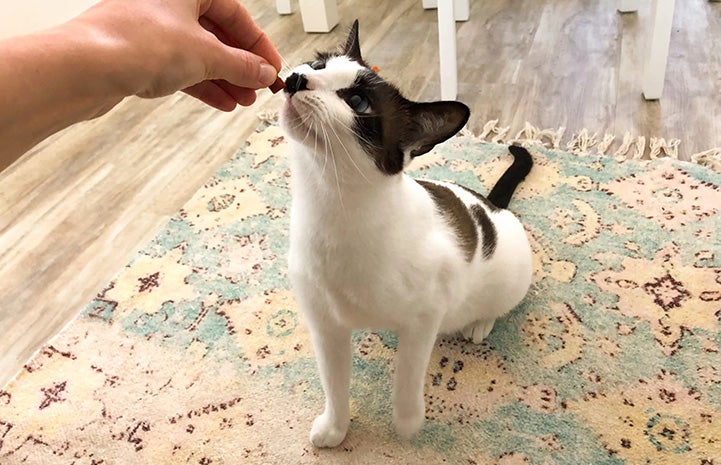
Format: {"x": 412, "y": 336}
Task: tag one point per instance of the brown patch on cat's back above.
{"x": 456, "y": 214}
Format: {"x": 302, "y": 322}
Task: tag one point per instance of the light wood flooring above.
{"x": 76, "y": 208}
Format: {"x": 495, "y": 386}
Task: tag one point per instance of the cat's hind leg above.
{"x": 478, "y": 330}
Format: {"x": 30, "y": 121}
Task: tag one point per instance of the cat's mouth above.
{"x": 291, "y": 114}
{"x": 290, "y": 108}
{"x": 294, "y": 121}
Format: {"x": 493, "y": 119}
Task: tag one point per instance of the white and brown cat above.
{"x": 372, "y": 247}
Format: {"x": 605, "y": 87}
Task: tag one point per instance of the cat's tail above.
{"x": 501, "y": 193}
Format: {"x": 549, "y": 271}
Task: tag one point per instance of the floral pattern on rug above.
{"x": 196, "y": 353}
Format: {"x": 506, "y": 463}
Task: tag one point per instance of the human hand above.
{"x": 210, "y": 49}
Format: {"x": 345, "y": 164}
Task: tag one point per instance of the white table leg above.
{"x": 626, "y": 6}
{"x": 461, "y": 8}
{"x": 319, "y": 15}
{"x": 283, "y": 7}
{"x": 655, "y": 70}
{"x": 447, "y": 50}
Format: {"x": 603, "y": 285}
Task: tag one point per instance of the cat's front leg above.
{"x": 414, "y": 351}
{"x": 331, "y": 344}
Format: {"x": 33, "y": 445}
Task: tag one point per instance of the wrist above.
{"x": 137, "y": 47}
{"x": 50, "y": 80}
{"x": 101, "y": 58}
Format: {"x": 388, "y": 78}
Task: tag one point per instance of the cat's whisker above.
{"x": 299, "y": 124}
{"x": 285, "y": 65}
{"x": 318, "y": 109}
{"x": 307, "y": 134}
{"x": 314, "y": 109}
{"x": 348, "y": 153}
{"x": 325, "y": 163}
{"x": 373, "y": 115}
{"x": 312, "y": 128}
{"x": 335, "y": 169}
{"x": 356, "y": 134}
{"x": 315, "y": 150}
{"x": 307, "y": 120}
{"x": 344, "y": 125}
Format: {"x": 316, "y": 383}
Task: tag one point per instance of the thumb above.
{"x": 240, "y": 67}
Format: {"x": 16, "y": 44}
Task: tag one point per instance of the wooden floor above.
{"x": 76, "y": 208}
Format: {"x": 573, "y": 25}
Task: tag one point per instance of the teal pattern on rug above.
{"x": 196, "y": 353}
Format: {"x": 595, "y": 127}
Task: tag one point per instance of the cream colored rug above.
{"x": 195, "y": 353}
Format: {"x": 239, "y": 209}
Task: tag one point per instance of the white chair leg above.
{"x": 461, "y": 8}
{"x": 627, "y": 6}
{"x": 319, "y": 15}
{"x": 283, "y": 7}
{"x": 447, "y": 50}
{"x": 655, "y": 71}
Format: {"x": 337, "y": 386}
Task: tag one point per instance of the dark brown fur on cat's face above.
{"x": 389, "y": 128}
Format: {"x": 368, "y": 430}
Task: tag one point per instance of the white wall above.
{"x": 21, "y": 16}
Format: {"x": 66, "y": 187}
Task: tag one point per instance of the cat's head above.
{"x": 337, "y": 105}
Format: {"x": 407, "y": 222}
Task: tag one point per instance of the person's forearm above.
{"x": 211, "y": 49}
{"x": 49, "y": 81}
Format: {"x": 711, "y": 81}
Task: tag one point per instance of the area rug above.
{"x": 195, "y": 353}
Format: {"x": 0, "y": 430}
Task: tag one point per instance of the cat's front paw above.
{"x": 326, "y": 432}
{"x": 408, "y": 420}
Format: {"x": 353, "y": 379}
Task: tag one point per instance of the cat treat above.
{"x": 277, "y": 86}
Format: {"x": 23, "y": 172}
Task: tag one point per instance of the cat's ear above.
{"x": 351, "y": 49}
{"x": 432, "y": 123}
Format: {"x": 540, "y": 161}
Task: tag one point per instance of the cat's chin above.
{"x": 295, "y": 126}
{"x": 289, "y": 112}
{"x": 290, "y": 119}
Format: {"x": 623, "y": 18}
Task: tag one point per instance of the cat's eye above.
{"x": 317, "y": 64}
{"x": 359, "y": 103}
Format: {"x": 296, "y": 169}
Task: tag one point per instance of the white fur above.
{"x": 369, "y": 250}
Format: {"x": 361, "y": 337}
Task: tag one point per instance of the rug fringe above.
{"x": 710, "y": 159}
{"x": 585, "y": 142}
{"x": 532, "y": 133}
{"x": 633, "y": 147}
{"x": 658, "y": 145}
{"x": 268, "y": 116}
{"x": 491, "y": 127}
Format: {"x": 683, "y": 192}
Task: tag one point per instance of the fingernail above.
{"x": 268, "y": 74}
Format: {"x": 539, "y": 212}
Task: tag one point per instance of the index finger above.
{"x": 238, "y": 28}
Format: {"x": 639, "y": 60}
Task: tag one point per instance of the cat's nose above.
{"x": 296, "y": 82}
